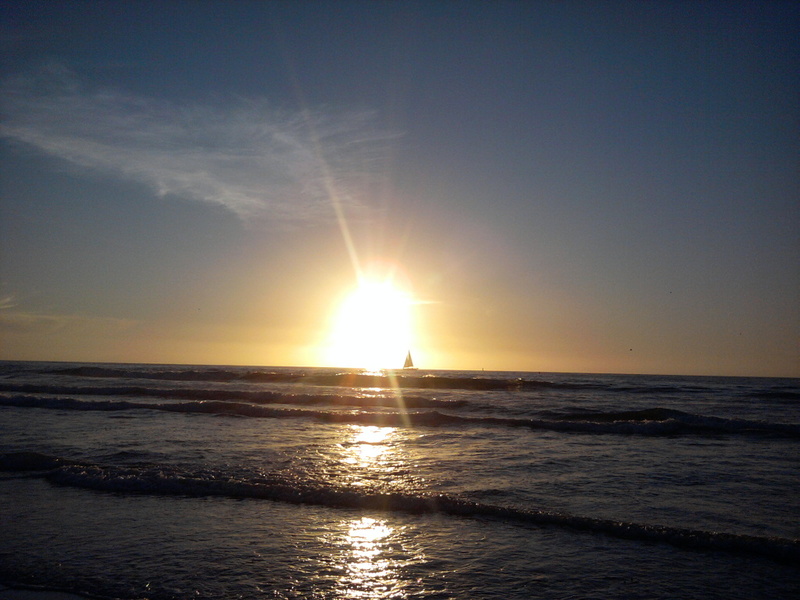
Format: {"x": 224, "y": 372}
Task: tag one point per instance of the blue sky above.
{"x": 572, "y": 186}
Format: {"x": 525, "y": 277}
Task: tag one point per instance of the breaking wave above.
{"x": 168, "y": 480}
{"x": 648, "y": 422}
{"x": 356, "y": 379}
{"x": 253, "y": 397}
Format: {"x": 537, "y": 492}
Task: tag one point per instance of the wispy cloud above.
{"x": 245, "y": 155}
{"x": 7, "y": 302}
{"x": 21, "y": 322}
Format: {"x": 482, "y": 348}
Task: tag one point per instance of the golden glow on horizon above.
{"x": 372, "y": 328}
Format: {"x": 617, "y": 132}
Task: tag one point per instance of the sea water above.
{"x": 176, "y": 482}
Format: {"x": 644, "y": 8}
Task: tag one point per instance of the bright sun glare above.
{"x": 372, "y": 328}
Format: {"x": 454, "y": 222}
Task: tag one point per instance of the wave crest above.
{"x": 167, "y": 480}
{"x": 649, "y": 422}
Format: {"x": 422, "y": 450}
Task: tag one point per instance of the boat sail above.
{"x": 409, "y": 364}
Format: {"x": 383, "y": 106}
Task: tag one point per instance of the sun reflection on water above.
{"x": 368, "y": 572}
{"x": 372, "y": 459}
{"x": 372, "y": 560}
{"x": 369, "y": 445}
{"x": 371, "y": 556}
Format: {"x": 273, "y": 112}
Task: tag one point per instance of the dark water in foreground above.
{"x": 172, "y": 482}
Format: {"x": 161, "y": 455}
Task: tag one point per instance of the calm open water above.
{"x": 177, "y": 482}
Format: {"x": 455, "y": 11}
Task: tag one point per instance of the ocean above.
{"x": 176, "y": 482}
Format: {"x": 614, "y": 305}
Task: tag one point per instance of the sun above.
{"x": 372, "y": 327}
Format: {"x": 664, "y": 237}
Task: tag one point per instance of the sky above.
{"x": 555, "y": 186}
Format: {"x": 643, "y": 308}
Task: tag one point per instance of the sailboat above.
{"x": 409, "y": 364}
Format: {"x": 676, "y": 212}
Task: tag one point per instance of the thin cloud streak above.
{"x": 246, "y": 156}
{"x": 21, "y": 322}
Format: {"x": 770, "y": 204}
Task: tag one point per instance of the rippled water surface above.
{"x": 130, "y": 481}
